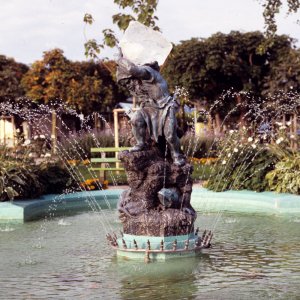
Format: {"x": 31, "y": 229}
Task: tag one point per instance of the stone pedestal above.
{"x": 157, "y": 202}
{"x": 161, "y": 248}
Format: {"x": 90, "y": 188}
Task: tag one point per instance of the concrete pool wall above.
{"x": 202, "y": 200}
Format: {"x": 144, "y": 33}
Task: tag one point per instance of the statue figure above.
{"x": 157, "y": 106}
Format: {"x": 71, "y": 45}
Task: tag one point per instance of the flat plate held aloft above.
{"x": 141, "y": 44}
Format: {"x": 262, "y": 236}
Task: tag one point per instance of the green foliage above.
{"x": 18, "y": 179}
{"x": 11, "y": 73}
{"x": 109, "y": 38}
{"x": 285, "y": 178}
{"x": 139, "y": 10}
{"x": 272, "y": 8}
{"x": 53, "y": 177}
{"x": 241, "y": 165}
{"x": 208, "y": 67}
{"x": 88, "y": 19}
{"x": 284, "y": 72}
{"x": 92, "y": 87}
{"x": 22, "y": 179}
{"x": 201, "y": 171}
{"x": 92, "y": 49}
{"x": 143, "y": 11}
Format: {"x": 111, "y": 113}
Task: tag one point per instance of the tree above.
{"x": 92, "y": 87}
{"x": 140, "y": 10}
{"x": 272, "y": 8}
{"x": 11, "y": 73}
{"x": 144, "y": 10}
{"x": 85, "y": 86}
{"x": 207, "y": 68}
{"x": 284, "y": 72}
{"x": 47, "y": 80}
{"x": 282, "y": 86}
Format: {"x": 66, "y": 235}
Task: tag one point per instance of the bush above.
{"x": 21, "y": 179}
{"x": 285, "y": 178}
{"x": 18, "y": 179}
{"x": 242, "y": 164}
{"x": 54, "y": 177}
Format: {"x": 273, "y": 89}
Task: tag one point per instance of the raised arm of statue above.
{"x": 139, "y": 72}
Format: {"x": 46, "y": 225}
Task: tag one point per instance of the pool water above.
{"x": 253, "y": 257}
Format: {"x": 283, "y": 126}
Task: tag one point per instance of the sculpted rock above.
{"x": 158, "y": 200}
{"x": 169, "y": 198}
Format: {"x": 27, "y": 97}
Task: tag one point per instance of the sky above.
{"x": 28, "y": 28}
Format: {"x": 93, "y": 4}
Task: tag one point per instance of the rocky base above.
{"x": 160, "y": 223}
{"x": 158, "y": 201}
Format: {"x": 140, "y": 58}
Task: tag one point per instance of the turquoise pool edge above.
{"x": 58, "y": 205}
{"x": 202, "y": 200}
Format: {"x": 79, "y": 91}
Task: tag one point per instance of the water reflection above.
{"x": 173, "y": 279}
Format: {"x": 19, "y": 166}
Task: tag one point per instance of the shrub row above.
{"x": 23, "y": 179}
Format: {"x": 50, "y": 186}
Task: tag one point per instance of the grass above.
{"x": 110, "y": 176}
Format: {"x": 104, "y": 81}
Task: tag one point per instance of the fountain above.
{"x": 156, "y": 213}
{"x": 256, "y": 242}
{"x": 256, "y": 249}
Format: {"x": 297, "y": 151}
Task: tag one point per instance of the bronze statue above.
{"x": 157, "y": 107}
{"x": 157, "y": 202}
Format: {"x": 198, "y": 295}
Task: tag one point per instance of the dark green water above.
{"x": 253, "y": 257}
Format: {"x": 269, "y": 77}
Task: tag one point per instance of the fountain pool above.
{"x": 252, "y": 255}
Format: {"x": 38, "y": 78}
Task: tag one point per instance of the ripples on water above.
{"x": 6, "y": 229}
{"x": 252, "y": 257}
